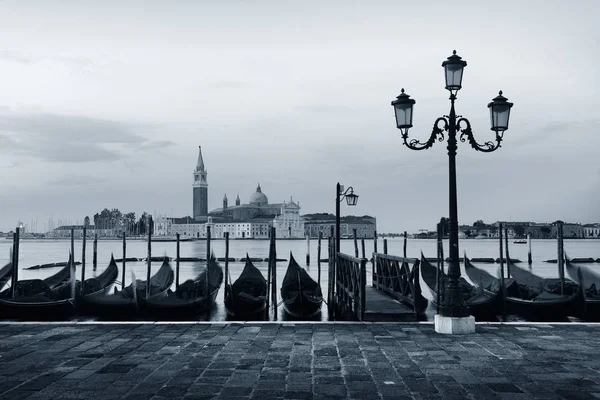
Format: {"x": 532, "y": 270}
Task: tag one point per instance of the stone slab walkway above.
{"x": 301, "y": 361}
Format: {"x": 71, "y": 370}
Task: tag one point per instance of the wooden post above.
{"x": 319, "y": 258}
{"x": 362, "y": 246}
{"x": 209, "y": 304}
{"x": 83, "y": 260}
{"x": 124, "y": 262}
{"x": 507, "y": 255}
{"x": 177, "y": 253}
{"x": 384, "y": 246}
{"x": 72, "y": 269}
{"x": 331, "y": 275}
{"x": 502, "y": 286}
{"x": 269, "y": 274}
{"x": 15, "y": 262}
{"x": 375, "y": 242}
{"x": 561, "y": 260}
{"x": 373, "y": 261}
{"x": 355, "y": 243}
{"x": 149, "y": 260}
{"x": 404, "y": 248}
{"x": 95, "y": 255}
{"x": 307, "y": 250}
{"x": 274, "y": 272}
{"x": 226, "y": 234}
{"x": 363, "y": 288}
{"x": 529, "y": 261}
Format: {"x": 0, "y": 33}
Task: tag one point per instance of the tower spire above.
{"x": 200, "y": 163}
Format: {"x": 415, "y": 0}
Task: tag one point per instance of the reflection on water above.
{"x": 33, "y": 252}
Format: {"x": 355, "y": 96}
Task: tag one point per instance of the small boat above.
{"x": 41, "y": 299}
{"x": 590, "y": 281}
{"x": 124, "y": 303}
{"x": 101, "y": 284}
{"x": 5, "y": 274}
{"x": 189, "y": 298}
{"x": 483, "y": 304}
{"x": 520, "y": 241}
{"x": 247, "y": 296}
{"x": 302, "y": 296}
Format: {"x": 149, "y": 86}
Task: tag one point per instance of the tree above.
{"x": 479, "y": 222}
{"x": 545, "y": 230}
{"x": 519, "y": 230}
{"x": 468, "y": 233}
{"x": 86, "y": 221}
{"x": 445, "y": 226}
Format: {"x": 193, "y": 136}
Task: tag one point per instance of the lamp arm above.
{"x": 436, "y": 133}
{"x": 343, "y": 195}
{"x": 467, "y": 134}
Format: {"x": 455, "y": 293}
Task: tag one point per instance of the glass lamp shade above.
{"x": 499, "y": 113}
{"x": 351, "y": 199}
{"x": 454, "y": 67}
{"x": 403, "y": 107}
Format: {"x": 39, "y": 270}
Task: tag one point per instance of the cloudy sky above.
{"x": 104, "y": 104}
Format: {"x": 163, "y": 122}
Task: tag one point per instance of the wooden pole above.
{"x": 95, "y": 255}
{"x": 384, "y": 246}
{"x": 149, "y": 259}
{"x": 502, "y": 285}
{"x": 124, "y": 262}
{"x": 355, "y": 243}
{"x": 72, "y": 269}
{"x": 269, "y": 274}
{"x": 319, "y": 258}
{"x": 307, "y": 250}
{"x": 83, "y": 260}
{"x": 226, "y": 234}
{"x": 208, "y": 269}
{"x": 529, "y": 261}
{"x": 177, "y": 253}
{"x": 561, "y": 266}
{"x": 274, "y": 271}
{"x": 375, "y": 242}
{"x": 404, "y": 247}
{"x": 362, "y": 247}
{"x": 507, "y": 255}
{"x": 15, "y": 262}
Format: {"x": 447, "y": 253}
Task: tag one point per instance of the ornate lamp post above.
{"x": 454, "y": 312}
{"x": 351, "y": 200}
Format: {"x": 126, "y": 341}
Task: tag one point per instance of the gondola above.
{"x": 590, "y": 281}
{"x": 247, "y": 296}
{"x": 41, "y": 299}
{"x": 538, "y": 298}
{"x": 302, "y": 296}
{"x": 483, "y": 304}
{"x": 100, "y": 284}
{"x": 5, "y": 274}
{"x": 189, "y": 299}
{"x": 124, "y": 304}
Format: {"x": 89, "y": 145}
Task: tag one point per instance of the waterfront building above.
{"x": 64, "y": 232}
{"x": 322, "y": 222}
{"x": 591, "y": 231}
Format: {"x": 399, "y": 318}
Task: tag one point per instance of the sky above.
{"x": 104, "y": 105}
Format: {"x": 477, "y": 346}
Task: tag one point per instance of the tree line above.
{"x": 116, "y": 220}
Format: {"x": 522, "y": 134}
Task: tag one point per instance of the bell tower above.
{"x": 225, "y": 202}
{"x": 200, "y": 188}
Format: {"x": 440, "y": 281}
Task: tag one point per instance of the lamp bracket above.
{"x": 467, "y": 134}
{"x": 436, "y": 134}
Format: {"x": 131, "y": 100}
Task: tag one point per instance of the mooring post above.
{"x": 502, "y": 286}
{"x": 529, "y": 261}
{"x": 404, "y": 247}
{"x": 177, "y": 253}
{"x": 362, "y": 246}
{"x": 15, "y": 262}
{"x": 226, "y": 234}
{"x": 83, "y": 260}
{"x": 149, "y": 259}
{"x": 208, "y": 301}
{"x": 319, "y": 258}
{"x": 274, "y": 271}
{"x": 307, "y": 250}
{"x": 507, "y": 255}
{"x": 72, "y": 268}
{"x": 95, "y": 255}
{"x": 269, "y": 275}
{"x": 385, "y": 246}
{"x": 355, "y": 243}
{"x": 561, "y": 259}
{"x": 124, "y": 262}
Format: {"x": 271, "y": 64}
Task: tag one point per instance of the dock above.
{"x": 382, "y": 308}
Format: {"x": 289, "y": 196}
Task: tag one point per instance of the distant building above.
{"x": 591, "y": 231}
{"x": 64, "y": 231}
{"x": 569, "y": 230}
{"x": 322, "y": 222}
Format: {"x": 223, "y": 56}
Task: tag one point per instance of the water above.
{"x": 33, "y": 252}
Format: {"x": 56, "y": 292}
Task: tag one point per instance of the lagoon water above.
{"x": 33, "y": 252}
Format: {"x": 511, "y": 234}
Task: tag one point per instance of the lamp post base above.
{"x": 454, "y": 325}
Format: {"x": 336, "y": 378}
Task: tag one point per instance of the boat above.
{"x": 41, "y": 299}
{"x": 520, "y": 241}
{"x": 5, "y": 274}
{"x": 590, "y": 281}
{"x": 124, "y": 303}
{"x": 189, "y": 298}
{"x": 101, "y": 284}
{"x": 301, "y": 295}
{"x": 483, "y": 304}
{"x": 247, "y": 296}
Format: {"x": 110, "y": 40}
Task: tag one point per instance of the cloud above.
{"x": 72, "y": 139}
{"x": 77, "y": 180}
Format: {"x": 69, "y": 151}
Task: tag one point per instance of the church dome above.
{"x": 259, "y": 198}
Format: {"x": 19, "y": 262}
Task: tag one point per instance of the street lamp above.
{"x": 351, "y": 200}
{"x": 454, "y": 305}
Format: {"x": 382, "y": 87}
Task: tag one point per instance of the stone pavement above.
{"x": 297, "y": 361}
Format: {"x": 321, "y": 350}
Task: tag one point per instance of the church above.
{"x": 250, "y": 220}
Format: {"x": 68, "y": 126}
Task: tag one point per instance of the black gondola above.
{"x": 5, "y": 274}
{"x": 189, "y": 298}
{"x": 302, "y": 296}
{"x": 483, "y": 304}
{"x": 590, "y": 281}
{"x": 124, "y": 303}
{"x": 247, "y": 296}
{"x": 41, "y": 299}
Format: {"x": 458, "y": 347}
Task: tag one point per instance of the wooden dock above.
{"x": 383, "y": 308}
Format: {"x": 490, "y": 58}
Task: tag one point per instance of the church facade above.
{"x": 250, "y": 220}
